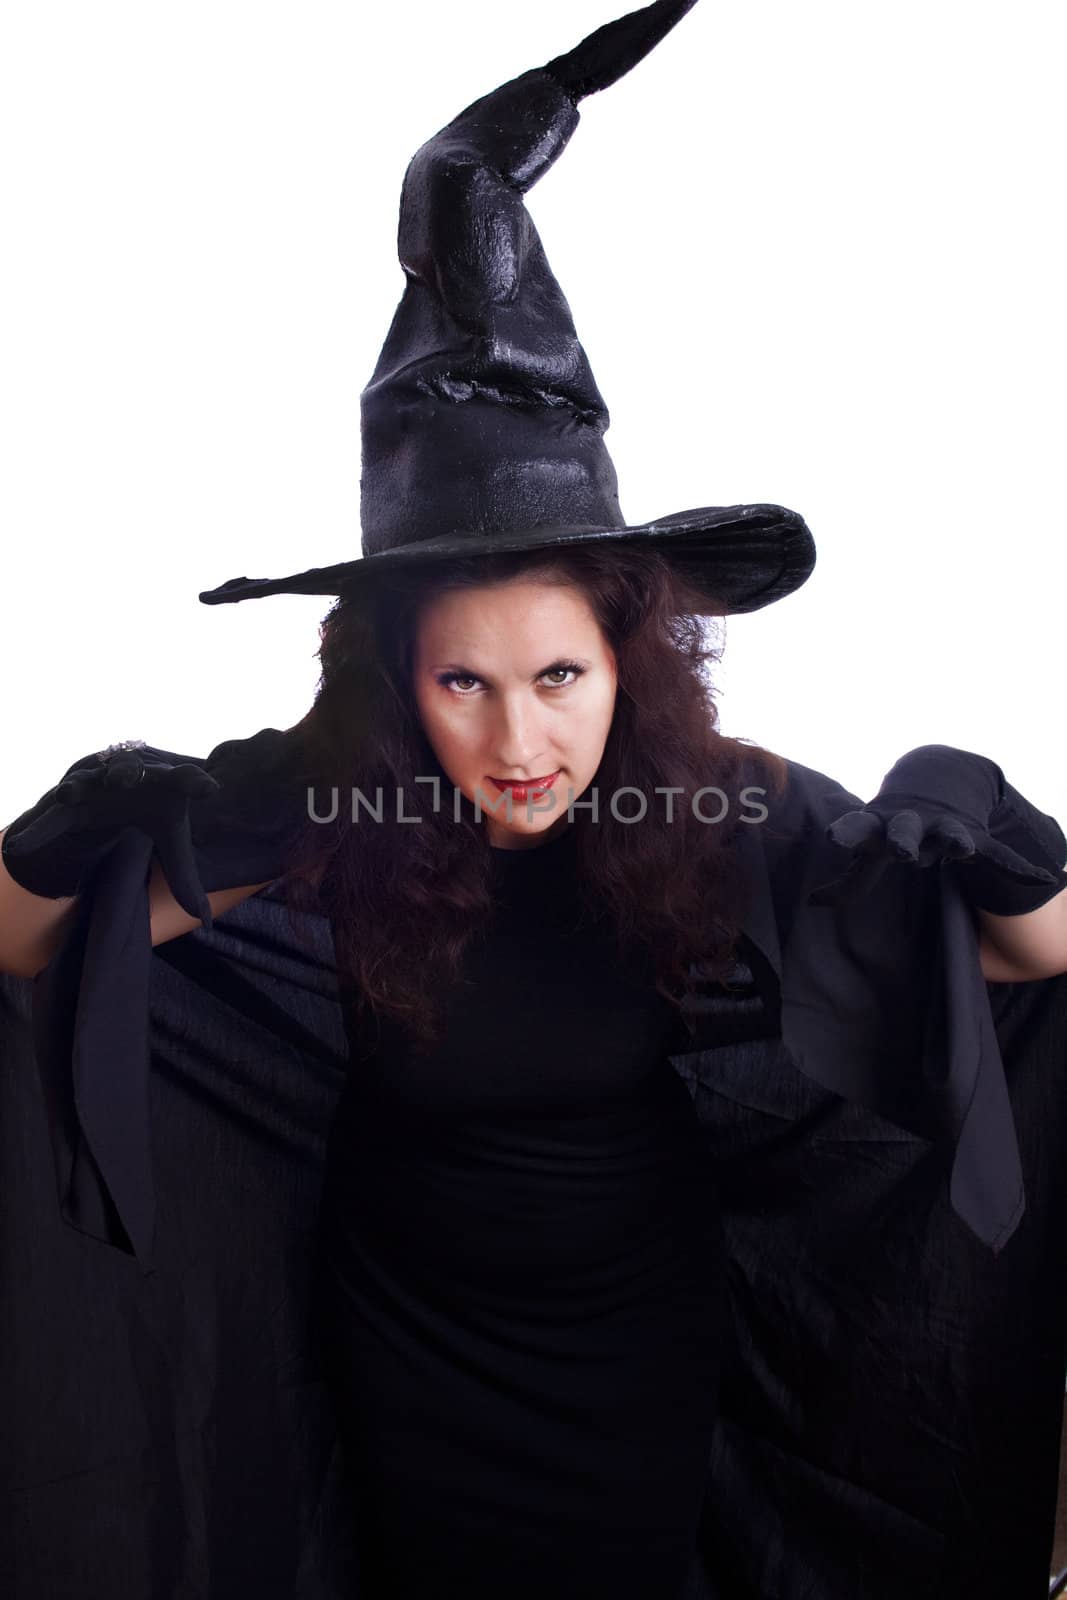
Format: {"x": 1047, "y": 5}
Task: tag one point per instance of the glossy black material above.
{"x": 482, "y": 424}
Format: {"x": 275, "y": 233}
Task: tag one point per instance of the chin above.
{"x": 541, "y": 823}
{"x": 521, "y": 826}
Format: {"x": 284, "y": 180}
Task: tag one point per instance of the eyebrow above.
{"x": 469, "y": 672}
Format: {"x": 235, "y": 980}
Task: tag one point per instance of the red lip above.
{"x": 519, "y": 789}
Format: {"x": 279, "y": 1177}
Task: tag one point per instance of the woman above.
{"x": 520, "y": 1297}
{"x": 520, "y": 1292}
{"x": 522, "y": 1263}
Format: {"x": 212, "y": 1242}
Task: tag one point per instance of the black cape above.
{"x": 887, "y": 1132}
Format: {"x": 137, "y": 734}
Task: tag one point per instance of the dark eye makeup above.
{"x": 454, "y": 675}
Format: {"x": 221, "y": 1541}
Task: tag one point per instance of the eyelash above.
{"x": 448, "y": 678}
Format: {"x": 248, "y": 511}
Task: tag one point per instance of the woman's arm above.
{"x": 32, "y": 926}
{"x": 1021, "y": 948}
{"x": 169, "y": 920}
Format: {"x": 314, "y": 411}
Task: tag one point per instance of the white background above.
{"x": 813, "y": 251}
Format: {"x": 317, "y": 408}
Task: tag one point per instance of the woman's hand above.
{"x": 940, "y": 805}
{"x": 880, "y": 835}
{"x": 51, "y": 848}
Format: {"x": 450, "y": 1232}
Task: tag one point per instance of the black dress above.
{"x": 522, "y": 1273}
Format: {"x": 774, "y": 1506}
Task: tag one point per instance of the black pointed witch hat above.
{"x": 482, "y": 425}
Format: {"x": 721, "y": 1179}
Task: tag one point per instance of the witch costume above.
{"x": 768, "y": 1310}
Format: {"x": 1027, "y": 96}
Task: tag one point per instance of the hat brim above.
{"x": 743, "y": 557}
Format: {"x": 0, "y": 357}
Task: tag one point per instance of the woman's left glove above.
{"x": 938, "y": 804}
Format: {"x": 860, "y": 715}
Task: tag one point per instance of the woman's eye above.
{"x": 455, "y": 680}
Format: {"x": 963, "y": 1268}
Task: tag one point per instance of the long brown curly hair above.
{"x": 404, "y": 900}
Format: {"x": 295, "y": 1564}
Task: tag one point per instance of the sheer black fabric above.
{"x": 886, "y": 1133}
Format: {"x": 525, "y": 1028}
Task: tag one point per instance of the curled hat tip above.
{"x": 607, "y": 54}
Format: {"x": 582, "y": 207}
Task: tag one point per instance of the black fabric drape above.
{"x": 169, "y": 1433}
{"x": 892, "y": 1404}
{"x": 890, "y": 1421}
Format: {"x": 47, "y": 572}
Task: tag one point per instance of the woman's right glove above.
{"x": 215, "y": 823}
{"x": 53, "y": 848}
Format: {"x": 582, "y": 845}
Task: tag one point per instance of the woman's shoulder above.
{"x": 799, "y": 802}
{"x": 270, "y": 753}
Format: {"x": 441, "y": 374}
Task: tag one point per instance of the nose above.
{"x": 519, "y": 743}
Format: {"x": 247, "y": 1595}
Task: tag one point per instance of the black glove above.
{"x": 52, "y": 849}
{"x": 938, "y": 804}
{"x": 215, "y": 824}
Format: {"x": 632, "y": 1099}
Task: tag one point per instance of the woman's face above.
{"x": 515, "y": 681}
